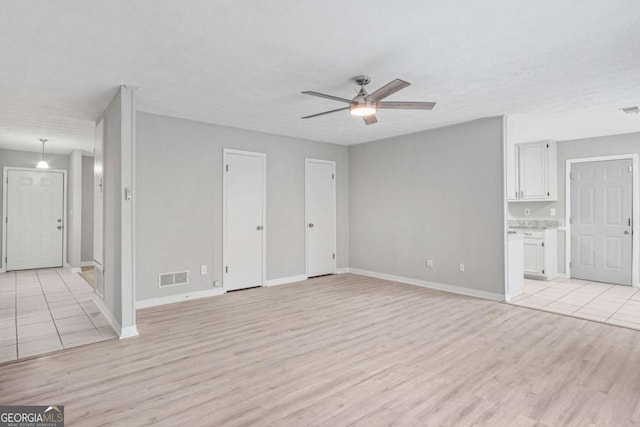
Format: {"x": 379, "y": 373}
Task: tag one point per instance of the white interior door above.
{"x": 98, "y": 196}
{"x": 35, "y": 213}
{"x": 320, "y": 205}
{"x": 601, "y": 212}
{"x": 244, "y": 219}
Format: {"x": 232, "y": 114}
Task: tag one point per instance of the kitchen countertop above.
{"x": 533, "y": 224}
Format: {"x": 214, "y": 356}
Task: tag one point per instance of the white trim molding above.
{"x": 127, "y": 332}
{"x": 171, "y": 299}
{"x": 431, "y": 285}
{"x": 635, "y": 243}
{"x": 286, "y": 280}
{"x": 342, "y": 270}
{"x": 75, "y": 269}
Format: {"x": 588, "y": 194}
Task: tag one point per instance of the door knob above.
{"x": 259, "y": 228}
{"x": 59, "y": 227}
{"x": 626, "y": 231}
{"x": 310, "y": 225}
{"x": 59, "y": 220}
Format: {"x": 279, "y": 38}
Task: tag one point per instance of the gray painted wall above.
{"x": 112, "y": 206}
{"x": 25, "y": 159}
{"x": 87, "y": 209}
{"x": 575, "y": 149}
{"x": 179, "y": 200}
{"x": 431, "y": 195}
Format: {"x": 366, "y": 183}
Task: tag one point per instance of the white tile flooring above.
{"x": 614, "y": 304}
{"x": 47, "y": 310}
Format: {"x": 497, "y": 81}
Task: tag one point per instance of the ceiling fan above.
{"x": 366, "y": 104}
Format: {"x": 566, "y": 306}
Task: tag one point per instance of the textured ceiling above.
{"x": 243, "y": 63}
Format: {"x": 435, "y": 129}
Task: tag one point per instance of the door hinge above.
{"x": 547, "y": 145}
{"x": 548, "y": 194}
{"x": 226, "y": 269}
{"x": 543, "y": 244}
{"x": 543, "y": 271}
{"x": 227, "y": 168}
{"x": 334, "y": 256}
{"x": 333, "y": 176}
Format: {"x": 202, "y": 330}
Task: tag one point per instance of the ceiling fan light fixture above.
{"x": 363, "y": 109}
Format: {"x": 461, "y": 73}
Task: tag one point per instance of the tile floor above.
{"x": 614, "y": 304}
{"x": 47, "y": 310}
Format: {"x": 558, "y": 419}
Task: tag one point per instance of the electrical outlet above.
{"x": 216, "y": 284}
{"x": 462, "y": 268}
{"x": 203, "y": 270}
{"x": 552, "y": 212}
{"x": 429, "y": 263}
{"x": 527, "y": 212}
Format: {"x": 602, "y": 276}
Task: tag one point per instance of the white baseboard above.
{"x": 86, "y": 264}
{"x": 112, "y": 320}
{"x": 285, "y": 280}
{"x": 561, "y": 276}
{"x": 431, "y": 285}
{"x": 170, "y": 299}
{"x": 2, "y": 270}
{"x": 342, "y": 270}
{"x": 129, "y": 331}
{"x": 75, "y": 269}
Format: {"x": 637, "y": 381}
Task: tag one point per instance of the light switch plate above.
{"x": 552, "y": 212}
{"x": 203, "y": 269}
{"x": 462, "y": 268}
{"x": 429, "y": 263}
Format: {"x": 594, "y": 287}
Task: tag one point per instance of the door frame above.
{"x": 263, "y": 156}
{"x": 307, "y": 161}
{"x": 635, "y": 214}
{"x": 5, "y": 198}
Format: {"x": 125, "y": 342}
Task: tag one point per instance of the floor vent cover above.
{"x": 173, "y": 279}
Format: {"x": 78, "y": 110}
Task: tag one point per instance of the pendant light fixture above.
{"x": 42, "y": 164}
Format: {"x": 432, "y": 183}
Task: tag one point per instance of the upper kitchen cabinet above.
{"x": 533, "y": 174}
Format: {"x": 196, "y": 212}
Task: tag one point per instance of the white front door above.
{"x": 601, "y": 212}
{"x": 320, "y": 199}
{"x": 244, "y": 187}
{"x": 35, "y": 229}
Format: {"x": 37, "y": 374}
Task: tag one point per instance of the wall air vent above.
{"x": 631, "y": 110}
{"x": 173, "y": 279}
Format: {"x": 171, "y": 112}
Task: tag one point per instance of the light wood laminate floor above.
{"x": 343, "y": 350}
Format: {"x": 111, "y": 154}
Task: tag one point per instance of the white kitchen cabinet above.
{"x": 540, "y": 249}
{"x": 532, "y": 175}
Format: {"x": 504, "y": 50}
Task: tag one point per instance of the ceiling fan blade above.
{"x": 387, "y": 90}
{"x": 326, "y": 112}
{"x": 369, "y": 120}
{"x": 406, "y": 105}
{"x": 323, "y": 95}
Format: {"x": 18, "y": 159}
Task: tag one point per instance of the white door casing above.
{"x": 35, "y": 219}
{"x": 244, "y": 219}
{"x": 320, "y": 217}
{"x": 601, "y": 221}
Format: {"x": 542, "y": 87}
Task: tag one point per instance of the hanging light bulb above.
{"x": 42, "y": 164}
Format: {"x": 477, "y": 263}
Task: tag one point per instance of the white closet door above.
{"x": 320, "y": 195}
{"x": 35, "y": 212}
{"x": 601, "y": 212}
{"x": 244, "y": 210}
{"x": 98, "y": 195}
